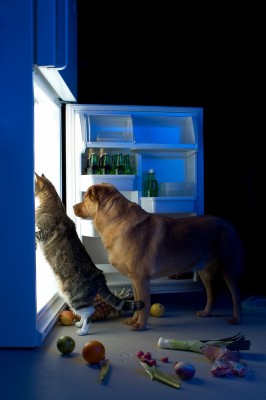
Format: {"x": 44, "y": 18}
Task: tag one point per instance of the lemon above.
{"x": 157, "y": 310}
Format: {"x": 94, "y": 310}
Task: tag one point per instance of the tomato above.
{"x": 66, "y": 344}
{"x": 93, "y": 352}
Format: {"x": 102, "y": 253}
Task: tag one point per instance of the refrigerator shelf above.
{"x": 138, "y": 147}
{"x": 117, "y": 281}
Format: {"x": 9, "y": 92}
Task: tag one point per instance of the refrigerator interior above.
{"x": 164, "y": 138}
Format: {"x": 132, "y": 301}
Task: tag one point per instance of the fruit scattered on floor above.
{"x": 93, "y": 352}
{"x": 157, "y": 310}
{"x": 66, "y": 317}
{"x": 103, "y": 309}
{"x": 148, "y": 359}
{"x": 66, "y": 344}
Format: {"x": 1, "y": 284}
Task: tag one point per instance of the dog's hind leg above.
{"x": 230, "y": 280}
{"x": 207, "y": 276}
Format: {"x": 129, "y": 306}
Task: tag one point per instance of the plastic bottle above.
{"x": 151, "y": 187}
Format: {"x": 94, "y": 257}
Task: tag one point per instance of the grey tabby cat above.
{"x": 79, "y": 280}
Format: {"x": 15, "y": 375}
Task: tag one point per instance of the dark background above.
{"x": 201, "y": 53}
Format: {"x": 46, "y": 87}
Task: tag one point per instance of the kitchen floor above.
{"x": 43, "y": 373}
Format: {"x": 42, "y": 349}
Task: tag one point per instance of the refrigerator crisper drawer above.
{"x": 168, "y": 204}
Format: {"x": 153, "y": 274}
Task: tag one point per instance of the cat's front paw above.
{"x": 79, "y": 323}
{"x": 81, "y": 332}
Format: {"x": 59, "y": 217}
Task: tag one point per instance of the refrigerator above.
{"x": 44, "y": 129}
{"x": 38, "y": 65}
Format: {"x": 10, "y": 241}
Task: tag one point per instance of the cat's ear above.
{"x": 43, "y": 176}
{"x": 39, "y": 181}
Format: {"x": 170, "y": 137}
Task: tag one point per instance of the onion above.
{"x": 184, "y": 370}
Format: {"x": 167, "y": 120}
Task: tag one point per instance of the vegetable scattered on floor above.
{"x": 155, "y": 374}
{"x": 104, "y": 369}
{"x": 184, "y": 370}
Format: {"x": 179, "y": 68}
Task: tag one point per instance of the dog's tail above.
{"x": 117, "y": 302}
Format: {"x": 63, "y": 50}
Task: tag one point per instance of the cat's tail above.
{"x": 119, "y": 304}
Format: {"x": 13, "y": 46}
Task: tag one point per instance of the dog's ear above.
{"x": 97, "y": 193}
{"x": 92, "y": 193}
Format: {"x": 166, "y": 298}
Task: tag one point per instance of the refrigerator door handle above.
{"x": 51, "y": 33}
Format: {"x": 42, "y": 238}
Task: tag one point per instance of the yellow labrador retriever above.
{"x": 144, "y": 246}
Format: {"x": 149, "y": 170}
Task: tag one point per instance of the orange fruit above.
{"x": 66, "y": 317}
{"x": 93, "y": 352}
{"x": 66, "y": 344}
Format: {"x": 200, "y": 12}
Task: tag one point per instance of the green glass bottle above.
{"x": 88, "y": 160}
{"x": 120, "y": 168}
{"x": 93, "y": 167}
{"x": 100, "y": 161}
{"x": 151, "y": 187}
{"x": 128, "y": 168}
{"x": 106, "y": 165}
{"x": 113, "y": 163}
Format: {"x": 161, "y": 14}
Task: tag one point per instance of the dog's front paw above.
{"x": 135, "y": 324}
{"x": 130, "y": 321}
{"x": 138, "y": 327}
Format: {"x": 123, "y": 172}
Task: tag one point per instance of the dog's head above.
{"x": 96, "y": 197}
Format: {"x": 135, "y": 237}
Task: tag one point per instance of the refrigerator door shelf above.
{"x": 121, "y": 182}
{"x": 168, "y": 204}
{"x": 176, "y": 189}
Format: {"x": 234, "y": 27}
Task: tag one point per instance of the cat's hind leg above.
{"x": 85, "y": 320}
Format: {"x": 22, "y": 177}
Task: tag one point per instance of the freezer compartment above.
{"x": 168, "y": 204}
{"x": 168, "y": 129}
{"x": 121, "y": 182}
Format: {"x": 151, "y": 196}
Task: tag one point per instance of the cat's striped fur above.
{"x": 79, "y": 280}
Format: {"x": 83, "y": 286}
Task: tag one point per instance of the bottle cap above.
{"x": 151, "y": 171}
